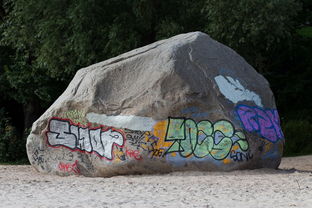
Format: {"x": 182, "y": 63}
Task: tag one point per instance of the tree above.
{"x": 257, "y": 29}
{"x": 53, "y": 39}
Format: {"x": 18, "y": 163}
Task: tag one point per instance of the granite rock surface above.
{"x": 184, "y": 103}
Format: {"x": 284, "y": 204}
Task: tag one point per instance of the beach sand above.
{"x": 289, "y": 186}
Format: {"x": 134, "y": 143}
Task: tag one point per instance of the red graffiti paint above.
{"x": 69, "y": 168}
{"x": 134, "y": 154}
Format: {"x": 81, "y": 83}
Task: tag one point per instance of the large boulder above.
{"x": 185, "y": 103}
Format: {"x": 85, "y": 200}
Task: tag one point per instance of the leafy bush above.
{"x": 12, "y": 147}
{"x": 298, "y": 134}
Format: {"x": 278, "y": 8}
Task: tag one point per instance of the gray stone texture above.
{"x": 184, "y": 103}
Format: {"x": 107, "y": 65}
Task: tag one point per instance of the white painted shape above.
{"x": 84, "y": 142}
{"x": 108, "y": 139}
{"x": 59, "y": 134}
{"x": 130, "y": 122}
{"x": 234, "y": 91}
{"x": 85, "y": 139}
{"x": 97, "y": 145}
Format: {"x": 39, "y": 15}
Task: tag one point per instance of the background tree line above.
{"x": 43, "y": 43}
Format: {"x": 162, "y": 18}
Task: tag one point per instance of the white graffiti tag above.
{"x": 63, "y": 133}
{"x": 233, "y": 90}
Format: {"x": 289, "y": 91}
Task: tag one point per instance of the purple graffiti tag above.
{"x": 273, "y": 115}
{"x": 263, "y": 121}
{"x": 267, "y": 129}
{"x": 249, "y": 118}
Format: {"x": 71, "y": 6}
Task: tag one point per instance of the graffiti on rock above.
{"x": 133, "y": 154}
{"x": 62, "y": 155}
{"x": 119, "y": 154}
{"x": 38, "y": 157}
{"x": 269, "y": 149}
{"x": 176, "y": 136}
{"x": 142, "y": 141}
{"x": 203, "y": 138}
{"x": 265, "y": 122}
{"x": 158, "y": 153}
{"x": 157, "y": 145}
{"x": 240, "y": 156}
{"x": 137, "y": 139}
{"x": 123, "y": 154}
{"x": 100, "y": 140}
{"x": 154, "y": 149}
{"x": 69, "y": 168}
{"x": 233, "y": 90}
{"x": 123, "y": 121}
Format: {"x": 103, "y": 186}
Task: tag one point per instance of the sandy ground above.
{"x": 290, "y": 186}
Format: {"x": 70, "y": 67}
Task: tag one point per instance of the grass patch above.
{"x": 305, "y": 32}
{"x": 298, "y": 135}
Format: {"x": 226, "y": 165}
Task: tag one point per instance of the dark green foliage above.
{"x": 305, "y": 32}
{"x": 298, "y": 134}
{"x": 53, "y": 39}
{"x": 293, "y": 84}
{"x": 291, "y": 80}
{"x": 255, "y": 28}
{"x": 12, "y": 147}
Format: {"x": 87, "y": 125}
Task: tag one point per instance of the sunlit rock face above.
{"x": 184, "y": 103}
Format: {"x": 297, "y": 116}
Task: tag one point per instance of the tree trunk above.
{"x": 32, "y": 111}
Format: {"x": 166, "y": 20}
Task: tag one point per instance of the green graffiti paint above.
{"x": 176, "y": 130}
{"x": 203, "y": 138}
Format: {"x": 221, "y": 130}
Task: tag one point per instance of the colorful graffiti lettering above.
{"x": 203, "y": 138}
{"x": 169, "y": 138}
{"x": 155, "y": 139}
{"x": 122, "y": 154}
{"x": 119, "y": 154}
{"x": 263, "y": 121}
{"x": 153, "y": 149}
{"x": 69, "y": 168}
{"x": 100, "y": 140}
{"x": 158, "y": 153}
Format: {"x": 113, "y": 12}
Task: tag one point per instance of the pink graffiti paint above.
{"x": 134, "y": 154}
{"x": 69, "y": 168}
{"x": 263, "y": 121}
